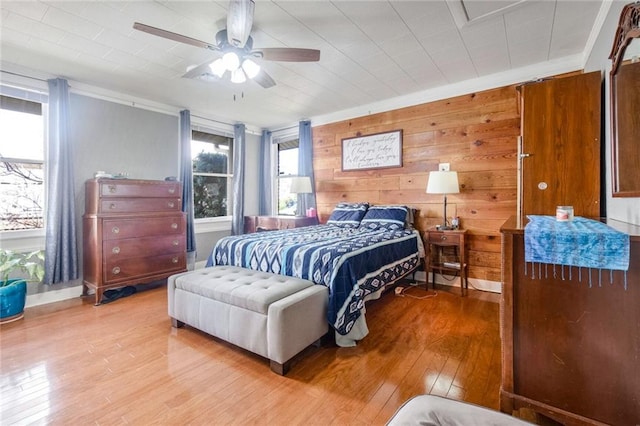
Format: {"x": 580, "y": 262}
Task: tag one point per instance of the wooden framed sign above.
{"x": 377, "y": 151}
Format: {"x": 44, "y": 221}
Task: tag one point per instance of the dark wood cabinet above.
{"x": 270, "y": 223}
{"x": 570, "y": 350}
{"x": 561, "y": 147}
{"x": 446, "y": 253}
{"x": 134, "y": 232}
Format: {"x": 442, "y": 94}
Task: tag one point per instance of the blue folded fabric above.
{"x": 581, "y": 242}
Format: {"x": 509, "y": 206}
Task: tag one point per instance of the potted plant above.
{"x": 13, "y": 292}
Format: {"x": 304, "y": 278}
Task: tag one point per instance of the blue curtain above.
{"x": 61, "y": 251}
{"x": 186, "y": 176}
{"x": 305, "y": 165}
{"x": 265, "y": 175}
{"x": 237, "y": 220}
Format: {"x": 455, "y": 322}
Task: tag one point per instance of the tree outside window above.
{"x": 287, "y": 166}
{"x": 21, "y": 164}
{"x": 212, "y": 159}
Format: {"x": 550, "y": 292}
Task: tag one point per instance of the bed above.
{"x": 361, "y": 250}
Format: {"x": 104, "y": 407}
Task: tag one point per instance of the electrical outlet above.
{"x": 444, "y": 167}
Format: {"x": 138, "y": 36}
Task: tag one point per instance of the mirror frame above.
{"x": 628, "y": 29}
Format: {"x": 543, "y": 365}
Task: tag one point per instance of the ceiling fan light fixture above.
{"x": 231, "y": 61}
{"x": 218, "y": 68}
{"x": 238, "y": 76}
{"x": 250, "y": 68}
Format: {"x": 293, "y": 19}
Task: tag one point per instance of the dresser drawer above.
{"x": 139, "y": 205}
{"x": 443, "y": 238}
{"x": 124, "y": 188}
{"x": 287, "y": 224}
{"x": 267, "y": 223}
{"x": 116, "y": 229}
{"x": 139, "y": 267}
{"x": 141, "y": 247}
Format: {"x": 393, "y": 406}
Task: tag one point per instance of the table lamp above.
{"x": 300, "y": 185}
{"x": 443, "y": 183}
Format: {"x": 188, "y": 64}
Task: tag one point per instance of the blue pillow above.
{"x": 390, "y": 218}
{"x": 348, "y": 215}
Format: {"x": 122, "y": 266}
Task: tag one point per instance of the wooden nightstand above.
{"x": 271, "y": 223}
{"x": 446, "y": 253}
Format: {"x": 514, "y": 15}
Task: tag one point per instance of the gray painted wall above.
{"x": 118, "y": 138}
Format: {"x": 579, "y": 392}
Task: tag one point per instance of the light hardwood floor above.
{"x": 121, "y": 363}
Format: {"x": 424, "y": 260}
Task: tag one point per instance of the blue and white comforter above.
{"x": 352, "y": 262}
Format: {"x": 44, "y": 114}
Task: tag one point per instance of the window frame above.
{"x": 30, "y": 239}
{"x": 214, "y": 223}
{"x": 278, "y": 137}
{"x": 280, "y": 176}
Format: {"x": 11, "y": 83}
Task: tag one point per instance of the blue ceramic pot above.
{"x": 12, "y": 299}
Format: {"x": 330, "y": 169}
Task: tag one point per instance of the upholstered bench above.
{"x": 272, "y": 315}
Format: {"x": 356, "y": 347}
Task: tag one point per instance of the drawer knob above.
{"x": 115, "y": 230}
{"x": 176, "y": 242}
{"x": 444, "y": 237}
{"x": 174, "y": 226}
{"x": 116, "y": 270}
{"x": 112, "y": 206}
{"x": 112, "y": 188}
{"x": 172, "y": 190}
{"x": 170, "y": 204}
{"x": 115, "y": 250}
{"x": 174, "y": 260}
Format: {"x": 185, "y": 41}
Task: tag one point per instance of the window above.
{"x": 287, "y": 166}
{"x": 22, "y": 190}
{"x": 212, "y": 159}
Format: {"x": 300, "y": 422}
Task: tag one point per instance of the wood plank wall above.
{"x": 476, "y": 133}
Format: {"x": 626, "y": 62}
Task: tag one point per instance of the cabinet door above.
{"x": 561, "y": 145}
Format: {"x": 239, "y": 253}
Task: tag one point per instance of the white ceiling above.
{"x": 371, "y": 51}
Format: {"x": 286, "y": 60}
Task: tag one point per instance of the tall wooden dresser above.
{"x": 570, "y": 349}
{"x": 134, "y": 233}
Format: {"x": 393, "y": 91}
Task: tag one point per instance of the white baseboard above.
{"x": 53, "y": 296}
{"x": 76, "y": 291}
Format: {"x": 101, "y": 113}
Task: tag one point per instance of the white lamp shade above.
{"x": 231, "y": 61}
{"x": 250, "y": 68}
{"x": 217, "y": 67}
{"x": 301, "y": 185}
{"x": 238, "y": 76}
{"x": 443, "y": 183}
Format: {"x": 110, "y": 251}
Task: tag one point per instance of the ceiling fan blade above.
{"x": 239, "y": 21}
{"x": 174, "y": 36}
{"x": 198, "y": 71}
{"x": 288, "y": 54}
{"x": 264, "y": 79}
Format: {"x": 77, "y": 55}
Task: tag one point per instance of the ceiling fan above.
{"x": 236, "y": 46}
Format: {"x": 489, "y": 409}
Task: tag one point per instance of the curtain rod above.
{"x": 284, "y": 128}
{"x": 211, "y": 119}
{"x": 251, "y": 132}
{"x": 123, "y": 102}
{"x": 22, "y": 75}
{"x": 295, "y": 126}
